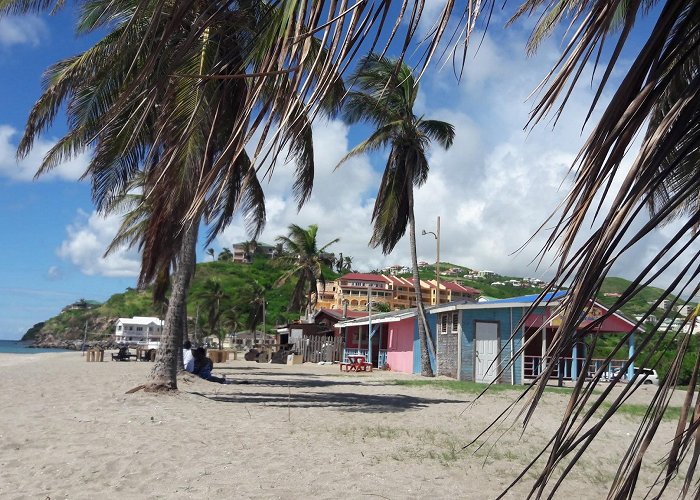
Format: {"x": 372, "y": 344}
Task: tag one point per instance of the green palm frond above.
{"x": 441, "y": 132}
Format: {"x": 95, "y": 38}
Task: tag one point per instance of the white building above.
{"x": 139, "y": 329}
{"x": 685, "y": 310}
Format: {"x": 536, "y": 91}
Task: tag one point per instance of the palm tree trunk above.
{"x": 423, "y": 327}
{"x": 164, "y": 374}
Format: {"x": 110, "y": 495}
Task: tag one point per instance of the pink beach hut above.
{"x": 385, "y": 338}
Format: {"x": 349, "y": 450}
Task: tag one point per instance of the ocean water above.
{"x": 17, "y": 347}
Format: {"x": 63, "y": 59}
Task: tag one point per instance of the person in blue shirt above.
{"x": 203, "y": 366}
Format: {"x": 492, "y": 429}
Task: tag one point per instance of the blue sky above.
{"x": 492, "y": 189}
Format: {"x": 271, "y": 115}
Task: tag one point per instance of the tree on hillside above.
{"x": 347, "y": 263}
{"x": 339, "y": 263}
{"x": 225, "y": 255}
{"x": 210, "y": 253}
{"x": 254, "y": 297}
{"x": 305, "y": 261}
{"x": 231, "y": 320}
{"x": 214, "y": 301}
{"x": 383, "y": 94}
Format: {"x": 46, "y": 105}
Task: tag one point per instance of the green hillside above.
{"x": 483, "y": 284}
{"x": 638, "y": 305}
{"x": 234, "y": 278}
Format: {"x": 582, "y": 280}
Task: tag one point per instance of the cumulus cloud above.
{"x": 22, "y": 30}
{"x": 25, "y": 169}
{"x": 493, "y": 189}
{"x": 87, "y": 239}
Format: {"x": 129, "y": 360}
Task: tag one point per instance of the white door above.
{"x": 486, "y": 351}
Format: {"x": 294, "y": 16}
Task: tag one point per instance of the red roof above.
{"x": 456, "y": 287}
{"x": 365, "y": 277}
{"x": 400, "y": 281}
{"x": 339, "y": 313}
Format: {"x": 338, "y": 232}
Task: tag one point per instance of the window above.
{"x": 449, "y": 323}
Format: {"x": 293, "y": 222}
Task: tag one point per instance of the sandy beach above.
{"x": 70, "y": 431}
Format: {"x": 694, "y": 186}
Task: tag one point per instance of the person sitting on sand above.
{"x": 187, "y": 357}
{"x": 203, "y": 366}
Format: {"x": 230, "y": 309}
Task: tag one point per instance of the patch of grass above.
{"x": 462, "y": 386}
{"x": 453, "y": 385}
{"x": 383, "y": 432}
{"x": 638, "y": 411}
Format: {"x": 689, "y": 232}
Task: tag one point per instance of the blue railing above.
{"x": 533, "y": 366}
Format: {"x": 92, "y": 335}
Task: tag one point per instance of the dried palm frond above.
{"x": 658, "y": 102}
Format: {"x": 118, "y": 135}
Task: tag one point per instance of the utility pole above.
{"x": 264, "y": 319}
{"x": 196, "y": 322}
{"x": 436, "y": 235}
{"x": 369, "y": 323}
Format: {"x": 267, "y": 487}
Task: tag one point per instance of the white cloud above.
{"x": 493, "y": 189}
{"x": 25, "y": 169}
{"x": 87, "y": 241}
{"x": 22, "y": 30}
{"x": 338, "y": 203}
{"x": 53, "y": 273}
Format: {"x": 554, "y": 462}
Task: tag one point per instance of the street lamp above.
{"x": 436, "y": 235}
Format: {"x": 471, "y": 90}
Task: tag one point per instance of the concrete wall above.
{"x": 447, "y": 349}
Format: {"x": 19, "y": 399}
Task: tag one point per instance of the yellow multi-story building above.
{"x": 398, "y": 293}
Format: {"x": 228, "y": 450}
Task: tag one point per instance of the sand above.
{"x": 68, "y": 430}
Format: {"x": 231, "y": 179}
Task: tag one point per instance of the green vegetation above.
{"x": 235, "y": 279}
{"x": 637, "y": 411}
{"x": 462, "y": 386}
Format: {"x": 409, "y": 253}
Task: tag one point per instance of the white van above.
{"x": 645, "y": 376}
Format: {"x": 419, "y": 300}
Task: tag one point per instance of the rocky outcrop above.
{"x": 70, "y": 335}
{"x": 49, "y": 341}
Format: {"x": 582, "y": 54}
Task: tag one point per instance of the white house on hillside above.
{"x": 138, "y": 329}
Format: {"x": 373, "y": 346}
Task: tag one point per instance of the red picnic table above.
{"x": 357, "y": 364}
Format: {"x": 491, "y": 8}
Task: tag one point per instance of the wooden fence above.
{"x": 316, "y": 349}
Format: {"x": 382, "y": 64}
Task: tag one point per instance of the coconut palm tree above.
{"x": 255, "y": 304}
{"x": 384, "y": 92}
{"x": 347, "y": 263}
{"x": 305, "y": 260}
{"x": 339, "y": 263}
{"x": 210, "y": 253}
{"x": 232, "y": 320}
{"x": 179, "y": 134}
{"x": 225, "y": 255}
{"x": 214, "y": 301}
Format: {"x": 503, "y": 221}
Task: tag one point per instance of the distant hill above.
{"x": 70, "y": 323}
{"x": 639, "y": 304}
{"x": 234, "y": 277}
